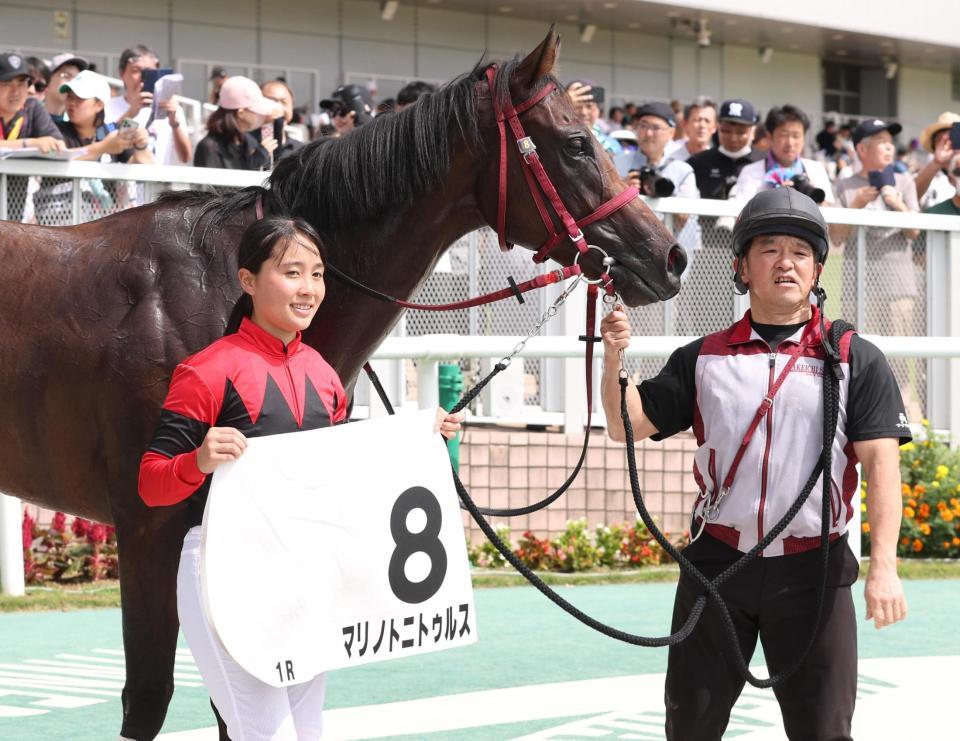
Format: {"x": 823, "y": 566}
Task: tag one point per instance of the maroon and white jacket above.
{"x": 717, "y": 384}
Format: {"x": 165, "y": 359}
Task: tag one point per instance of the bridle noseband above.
{"x": 539, "y": 183}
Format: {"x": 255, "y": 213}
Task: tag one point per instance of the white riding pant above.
{"x": 251, "y": 709}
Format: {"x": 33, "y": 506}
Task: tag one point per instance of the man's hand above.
{"x": 140, "y": 101}
{"x": 169, "y": 108}
{"x": 864, "y": 196}
{"x": 943, "y": 152}
{"x": 579, "y": 93}
{"x": 45, "y": 144}
{"x": 615, "y": 331}
{"x": 886, "y": 603}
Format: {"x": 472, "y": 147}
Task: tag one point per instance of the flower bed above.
{"x": 930, "y": 474}
{"x": 86, "y": 551}
{"x": 629, "y": 545}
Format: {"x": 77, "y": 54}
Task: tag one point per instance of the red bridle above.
{"x": 535, "y": 175}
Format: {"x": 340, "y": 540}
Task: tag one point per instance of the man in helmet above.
{"x": 718, "y": 385}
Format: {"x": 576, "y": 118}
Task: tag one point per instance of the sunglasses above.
{"x": 38, "y": 85}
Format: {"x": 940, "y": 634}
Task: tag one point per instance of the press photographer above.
{"x": 784, "y": 164}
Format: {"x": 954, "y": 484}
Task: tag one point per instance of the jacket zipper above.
{"x": 293, "y": 389}
{"x": 766, "y": 452}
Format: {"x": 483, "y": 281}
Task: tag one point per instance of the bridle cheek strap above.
{"x": 536, "y": 175}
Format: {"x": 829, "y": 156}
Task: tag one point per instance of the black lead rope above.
{"x": 831, "y": 403}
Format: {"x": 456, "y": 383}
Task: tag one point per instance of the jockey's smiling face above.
{"x": 287, "y": 290}
{"x": 780, "y": 272}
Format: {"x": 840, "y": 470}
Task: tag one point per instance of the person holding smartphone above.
{"x": 166, "y": 127}
{"x": 280, "y": 93}
{"x": 229, "y": 142}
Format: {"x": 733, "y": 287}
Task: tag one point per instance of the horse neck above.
{"x": 395, "y": 260}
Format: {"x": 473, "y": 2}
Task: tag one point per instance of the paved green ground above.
{"x": 524, "y": 641}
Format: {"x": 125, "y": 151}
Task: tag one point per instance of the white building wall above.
{"x": 336, "y": 38}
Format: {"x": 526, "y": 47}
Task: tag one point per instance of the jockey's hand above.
{"x": 220, "y": 445}
{"x": 447, "y": 424}
{"x": 615, "y": 331}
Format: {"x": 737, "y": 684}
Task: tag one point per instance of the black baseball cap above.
{"x": 348, "y": 95}
{"x": 873, "y": 126}
{"x": 660, "y": 110}
{"x": 738, "y": 110}
{"x": 12, "y": 66}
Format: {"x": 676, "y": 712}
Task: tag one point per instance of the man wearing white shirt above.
{"x": 167, "y": 129}
{"x": 784, "y": 165}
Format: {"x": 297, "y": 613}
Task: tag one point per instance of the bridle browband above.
{"x": 539, "y": 183}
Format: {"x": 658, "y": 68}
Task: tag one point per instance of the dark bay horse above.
{"x": 95, "y": 317}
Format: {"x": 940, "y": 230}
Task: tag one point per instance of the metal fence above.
{"x": 889, "y": 273}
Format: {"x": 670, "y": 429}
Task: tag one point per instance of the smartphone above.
{"x": 955, "y": 136}
{"x": 879, "y": 178}
{"x": 278, "y": 124}
{"x": 598, "y": 94}
{"x": 129, "y": 123}
{"x": 149, "y": 77}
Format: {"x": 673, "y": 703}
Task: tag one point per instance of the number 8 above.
{"x": 426, "y": 541}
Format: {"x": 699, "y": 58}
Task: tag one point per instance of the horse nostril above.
{"x": 676, "y": 261}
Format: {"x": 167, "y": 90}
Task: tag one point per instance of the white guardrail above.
{"x": 941, "y": 346}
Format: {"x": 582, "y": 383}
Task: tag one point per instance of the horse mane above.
{"x": 373, "y": 173}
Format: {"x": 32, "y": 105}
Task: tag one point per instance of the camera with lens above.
{"x": 652, "y": 183}
{"x": 802, "y": 184}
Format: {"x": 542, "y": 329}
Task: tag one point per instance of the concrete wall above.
{"x": 349, "y": 38}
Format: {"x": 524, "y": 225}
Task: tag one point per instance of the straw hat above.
{"x": 944, "y": 121}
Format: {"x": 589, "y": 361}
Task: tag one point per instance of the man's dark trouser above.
{"x": 774, "y": 598}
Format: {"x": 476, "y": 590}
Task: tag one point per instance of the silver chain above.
{"x": 549, "y": 314}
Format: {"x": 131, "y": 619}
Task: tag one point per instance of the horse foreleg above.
{"x": 149, "y": 544}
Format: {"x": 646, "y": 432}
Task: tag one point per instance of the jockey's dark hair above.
{"x": 265, "y": 239}
{"x": 342, "y": 185}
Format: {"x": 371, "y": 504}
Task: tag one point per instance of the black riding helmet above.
{"x": 779, "y": 211}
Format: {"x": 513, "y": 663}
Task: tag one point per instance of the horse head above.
{"x": 648, "y": 261}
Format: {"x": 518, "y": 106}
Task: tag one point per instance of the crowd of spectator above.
{"x": 63, "y": 106}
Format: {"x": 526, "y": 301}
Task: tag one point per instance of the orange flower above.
{"x": 919, "y": 490}
{"x": 954, "y": 502}
{"x": 925, "y": 528}
{"x": 908, "y": 513}
{"x": 905, "y": 488}
{"x": 917, "y": 545}
{"x": 941, "y": 506}
{"x": 955, "y": 541}
{"x": 947, "y": 515}
{"x": 905, "y": 541}
{"x": 924, "y": 510}
{"x": 912, "y": 502}
{"x": 865, "y": 527}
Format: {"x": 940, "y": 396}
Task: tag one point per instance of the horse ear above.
{"x": 540, "y": 61}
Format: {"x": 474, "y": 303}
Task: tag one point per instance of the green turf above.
{"x": 524, "y": 640}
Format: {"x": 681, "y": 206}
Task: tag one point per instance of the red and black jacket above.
{"x": 248, "y": 381}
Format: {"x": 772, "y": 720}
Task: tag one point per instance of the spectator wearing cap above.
{"x": 229, "y": 143}
{"x": 86, "y": 131}
{"x": 873, "y": 140}
{"x": 655, "y": 128}
{"x": 166, "y": 124}
{"x": 63, "y": 68}
{"x": 349, "y": 106}
{"x": 24, "y": 122}
{"x": 280, "y": 93}
{"x": 889, "y": 266}
{"x": 699, "y": 126}
{"x": 218, "y": 76}
{"x": 787, "y": 126}
{"x": 717, "y": 169}
{"x": 587, "y": 103}
{"x": 933, "y": 185}
{"x": 410, "y": 94}
{"x": 87, "y": 96}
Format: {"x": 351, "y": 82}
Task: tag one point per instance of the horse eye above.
{"x": 577, "y": 145}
